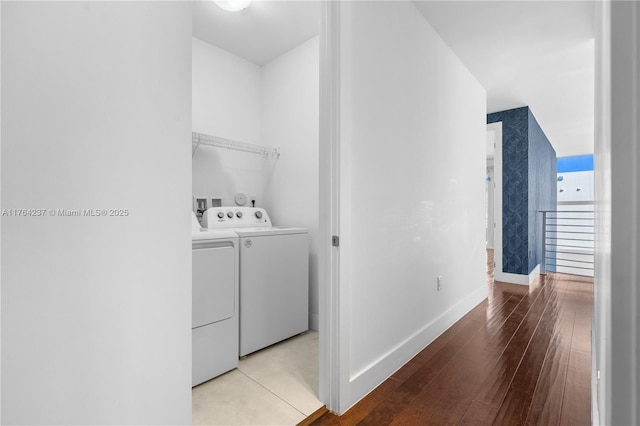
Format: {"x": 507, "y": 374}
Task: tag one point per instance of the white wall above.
{"x": 625, "y": 211}
{"x": 617, "y": 299}
{"x": 96, "y": 311}
{"x": 0, "y": 209}
{"x": 413, "y": 162}
{"x": 226, "y": 94}
{"x": 570, "y": 183}
{"x": 290, "y": 121}
{"x": 227, "y": 102}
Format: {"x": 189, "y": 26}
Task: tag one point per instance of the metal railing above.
{"x": 568, "y": 239}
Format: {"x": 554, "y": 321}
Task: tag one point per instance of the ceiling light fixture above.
{"x": 233, "y": 5}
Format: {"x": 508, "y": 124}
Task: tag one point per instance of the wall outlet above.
{"x": 439, "y": 282}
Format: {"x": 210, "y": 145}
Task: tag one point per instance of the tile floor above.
{"x": 275, "y": 386}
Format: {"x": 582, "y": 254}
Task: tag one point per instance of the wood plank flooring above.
{"x": 521, "y": 357}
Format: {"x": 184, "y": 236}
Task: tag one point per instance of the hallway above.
{"x": 523, "y": 356}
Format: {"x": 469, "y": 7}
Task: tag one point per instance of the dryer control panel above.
{"x": 235, "y": 217}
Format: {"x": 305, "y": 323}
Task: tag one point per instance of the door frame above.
{"x": 491, "y": 221}
{"x": 497, "y": 201}
{"x": 333, "y": 355}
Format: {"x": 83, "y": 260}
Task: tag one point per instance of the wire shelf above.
{"x": 198, "y": 139}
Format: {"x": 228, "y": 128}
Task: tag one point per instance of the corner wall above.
{"x": 515, "y": 188}
{"x": 412, "y": 177}
{"x": 96, "y": 310}
{"x": 529, "y": 186}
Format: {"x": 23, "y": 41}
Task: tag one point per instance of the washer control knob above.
{"x": 220, "y": 215}
{"x": 239, "y": 215}
{"x": 259, "y": 214}
{"x": 230, "y": 215}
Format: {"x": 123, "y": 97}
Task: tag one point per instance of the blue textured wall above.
{"x": 528, "y": 186}
{"x": 542, "y": 186}
{"x": 515, "y": 188}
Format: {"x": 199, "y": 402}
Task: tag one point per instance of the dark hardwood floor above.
{"x": 523, "y": 356}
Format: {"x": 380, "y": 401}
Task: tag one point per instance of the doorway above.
{"x": 256, "y": 86}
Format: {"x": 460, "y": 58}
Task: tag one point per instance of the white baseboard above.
{"x": 365, "y": 381}
{"x": 521, "y": 279}
{"x": 314, "y": 322}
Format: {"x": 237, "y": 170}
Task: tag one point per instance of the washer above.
{"x": 215, "y": 302}
{"x": 274, "y": 275}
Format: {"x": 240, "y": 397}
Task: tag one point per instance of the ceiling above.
{"x": 260, "y": 33}
{"x": 534, "y": 53}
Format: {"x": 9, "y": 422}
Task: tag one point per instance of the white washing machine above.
{"x": 215, "y": 302}
{"x": 274, "y": 275}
